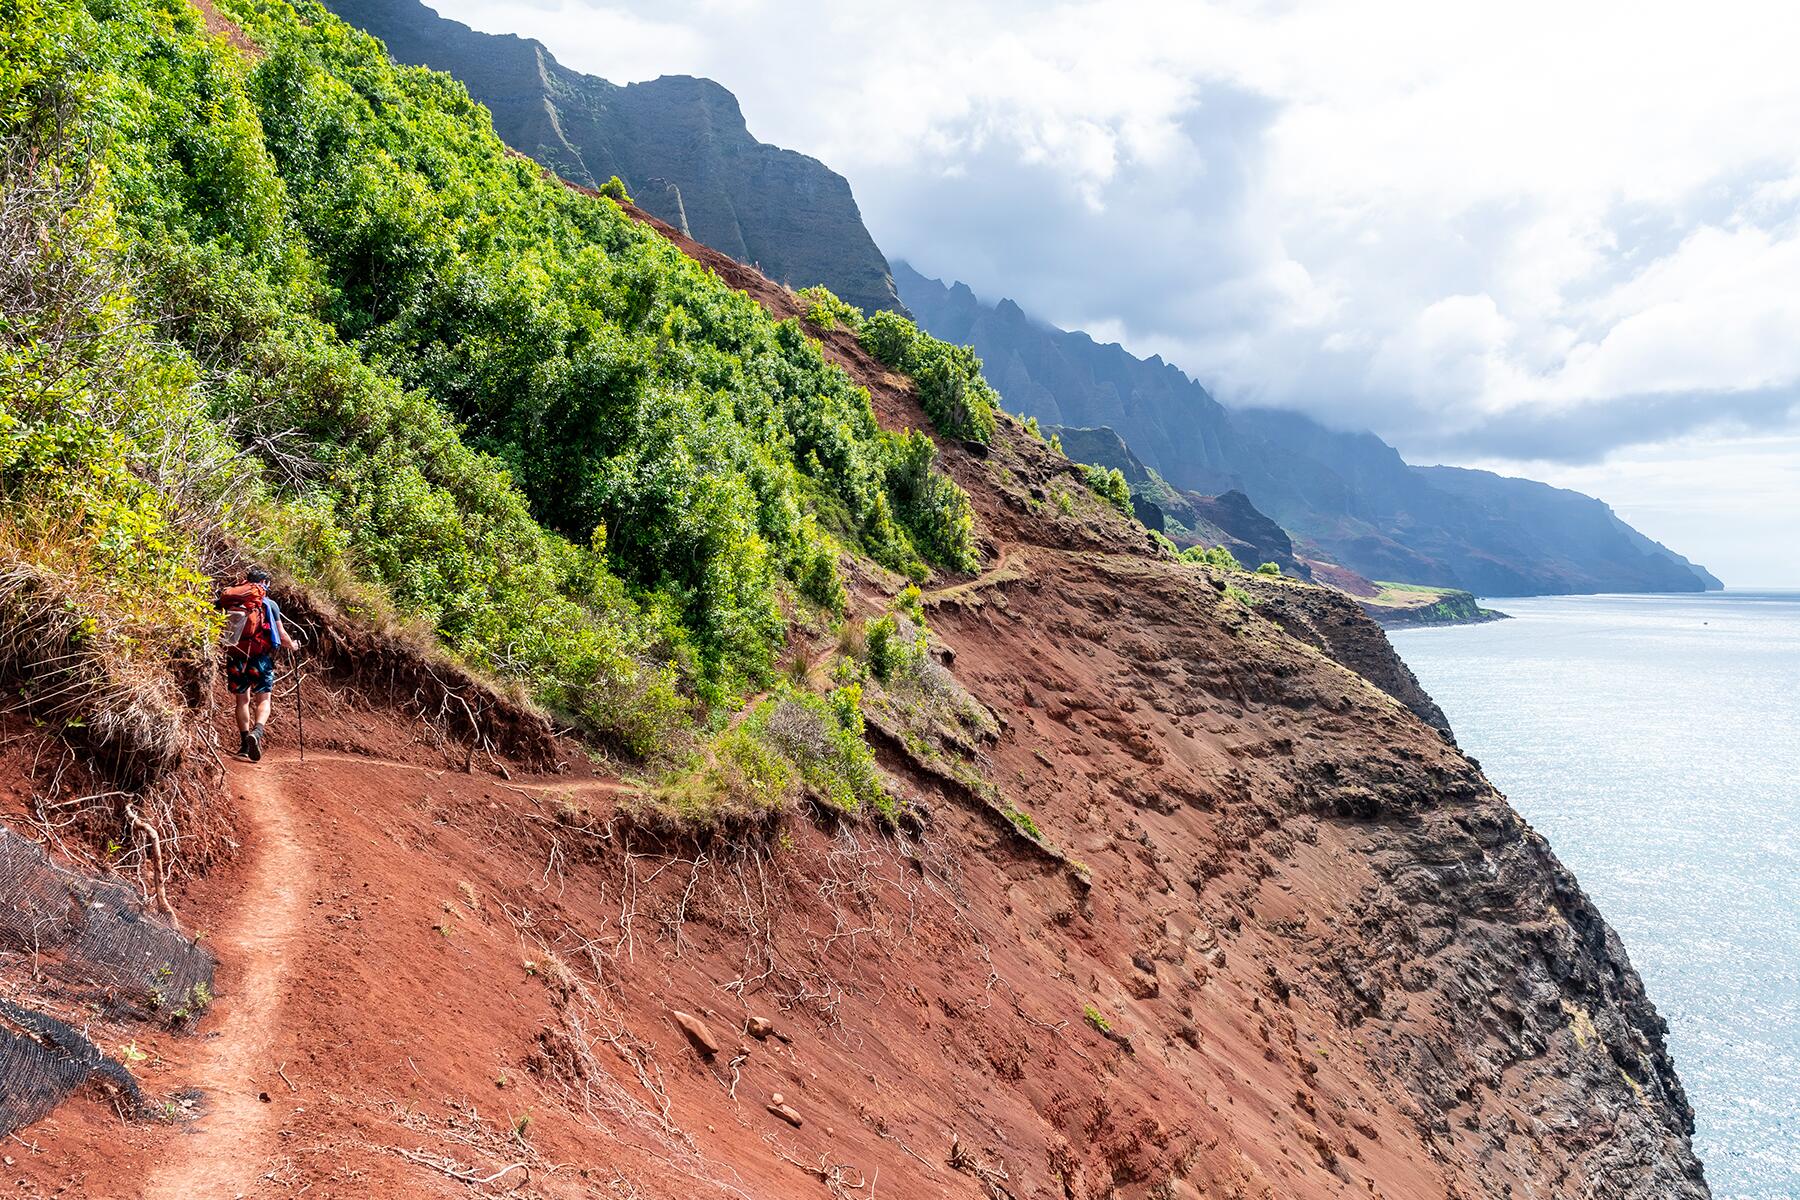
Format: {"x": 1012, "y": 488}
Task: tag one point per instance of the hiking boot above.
{"x": 253, "y": 741}
{"x": 244, "y": 743}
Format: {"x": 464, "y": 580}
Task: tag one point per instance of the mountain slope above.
{"x": 1349, "y": 497}
{"x": 679, "y": 143}
{"x": 1068, "y": 870}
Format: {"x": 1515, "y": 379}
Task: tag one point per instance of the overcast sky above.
{"x": 1560, "y": 240}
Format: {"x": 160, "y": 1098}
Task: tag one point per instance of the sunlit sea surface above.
{"x": 1655, "y": 740}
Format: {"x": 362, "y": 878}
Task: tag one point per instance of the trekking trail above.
{"x": 1009, "y": 565}
{"x": 222, "y": 1154}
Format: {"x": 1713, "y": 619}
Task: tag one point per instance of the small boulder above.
{"x": 787, "y": 1114}
{"x": 696, "y": 1032}
{"x": 759, "y": 1028}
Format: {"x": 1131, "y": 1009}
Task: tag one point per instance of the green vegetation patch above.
{"x": 795, "y": 742}
{"x": 1109, "y": 484}
{"x": 1218, "y": 557}
{"x": 450, "y": 391}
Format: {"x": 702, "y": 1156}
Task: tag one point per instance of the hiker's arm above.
{"x": 289, "y": 636}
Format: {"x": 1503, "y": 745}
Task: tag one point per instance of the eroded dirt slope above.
{"x": 1276, "y": 938}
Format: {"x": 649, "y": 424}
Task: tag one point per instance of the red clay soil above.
{"x": 1284, "y": 941}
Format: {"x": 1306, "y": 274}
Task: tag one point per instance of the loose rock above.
{"x": 787, "y": 1114}
{"x": 697, "y": 1033}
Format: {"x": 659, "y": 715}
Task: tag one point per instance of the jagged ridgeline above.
{"x": 284, "y": 297}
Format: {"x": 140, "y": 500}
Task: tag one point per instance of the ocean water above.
{"x": 1655, "y": 741}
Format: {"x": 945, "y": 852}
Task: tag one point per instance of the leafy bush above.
{"x": 955, "y": 396}
{"x": 823, "y": 737}
{"x": 741, "y": 778}
{"x": 1269, "y": 568}
{"x": 1212, "y": 556}
{"x": 911, "y": 603}
{"x": 936, "y": 511}
{"x": 824, "y": 309}
{"x": 1110, "y": 486}
{"x": 614, "y": 189}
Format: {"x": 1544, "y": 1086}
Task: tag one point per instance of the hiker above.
{"x": 254, "y": 630}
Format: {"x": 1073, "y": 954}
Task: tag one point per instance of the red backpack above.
{"x": 246, "y": 621}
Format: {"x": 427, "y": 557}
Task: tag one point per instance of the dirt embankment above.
{"x": 1277, "y": 937}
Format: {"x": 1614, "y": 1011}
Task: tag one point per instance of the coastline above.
{"x": 1403, "y": 606}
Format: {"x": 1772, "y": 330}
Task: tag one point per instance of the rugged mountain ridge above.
{"x": 679, "y": 143}
{"x": 1348, "y": 497}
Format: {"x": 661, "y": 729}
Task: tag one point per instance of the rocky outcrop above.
{"x": 1253, "y": 538}
{"x": 1348, "y": 498}
{"x": 680, "y": 144}
{"x": 1336, "y": 624}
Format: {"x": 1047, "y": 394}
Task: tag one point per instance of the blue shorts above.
{"x": 250, "y": 673}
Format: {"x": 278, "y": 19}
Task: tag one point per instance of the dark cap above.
{"x": 256, "y": 575}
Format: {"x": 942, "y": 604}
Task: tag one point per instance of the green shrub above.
{"x": 824, "y": 309}
{"x": 1022, "y": 820}
{"x": 823, "y": 737}
{"x": 614, "y": 189}
{"x": 1217, "y": 557}
{"x": 739, "y": 778}
{"x": 1269, "y": 568}
{"x": 895, "y": 645}
{"x": 1110, "y": 486}
{"x": 951, "y": 389}
{"x": 911, "y": 603}
{"x": 935, "y": 510}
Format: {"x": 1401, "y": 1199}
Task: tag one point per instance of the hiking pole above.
{"x": 299, "y": 703}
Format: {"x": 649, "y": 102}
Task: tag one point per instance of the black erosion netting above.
{"x": 99, "y": 933}
{"x": 99, "y": 940}
{"x": 44, "y": 1060}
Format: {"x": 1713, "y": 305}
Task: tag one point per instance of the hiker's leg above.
{"x": 262, "y": 667}
{"x": 244, "y": 722}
